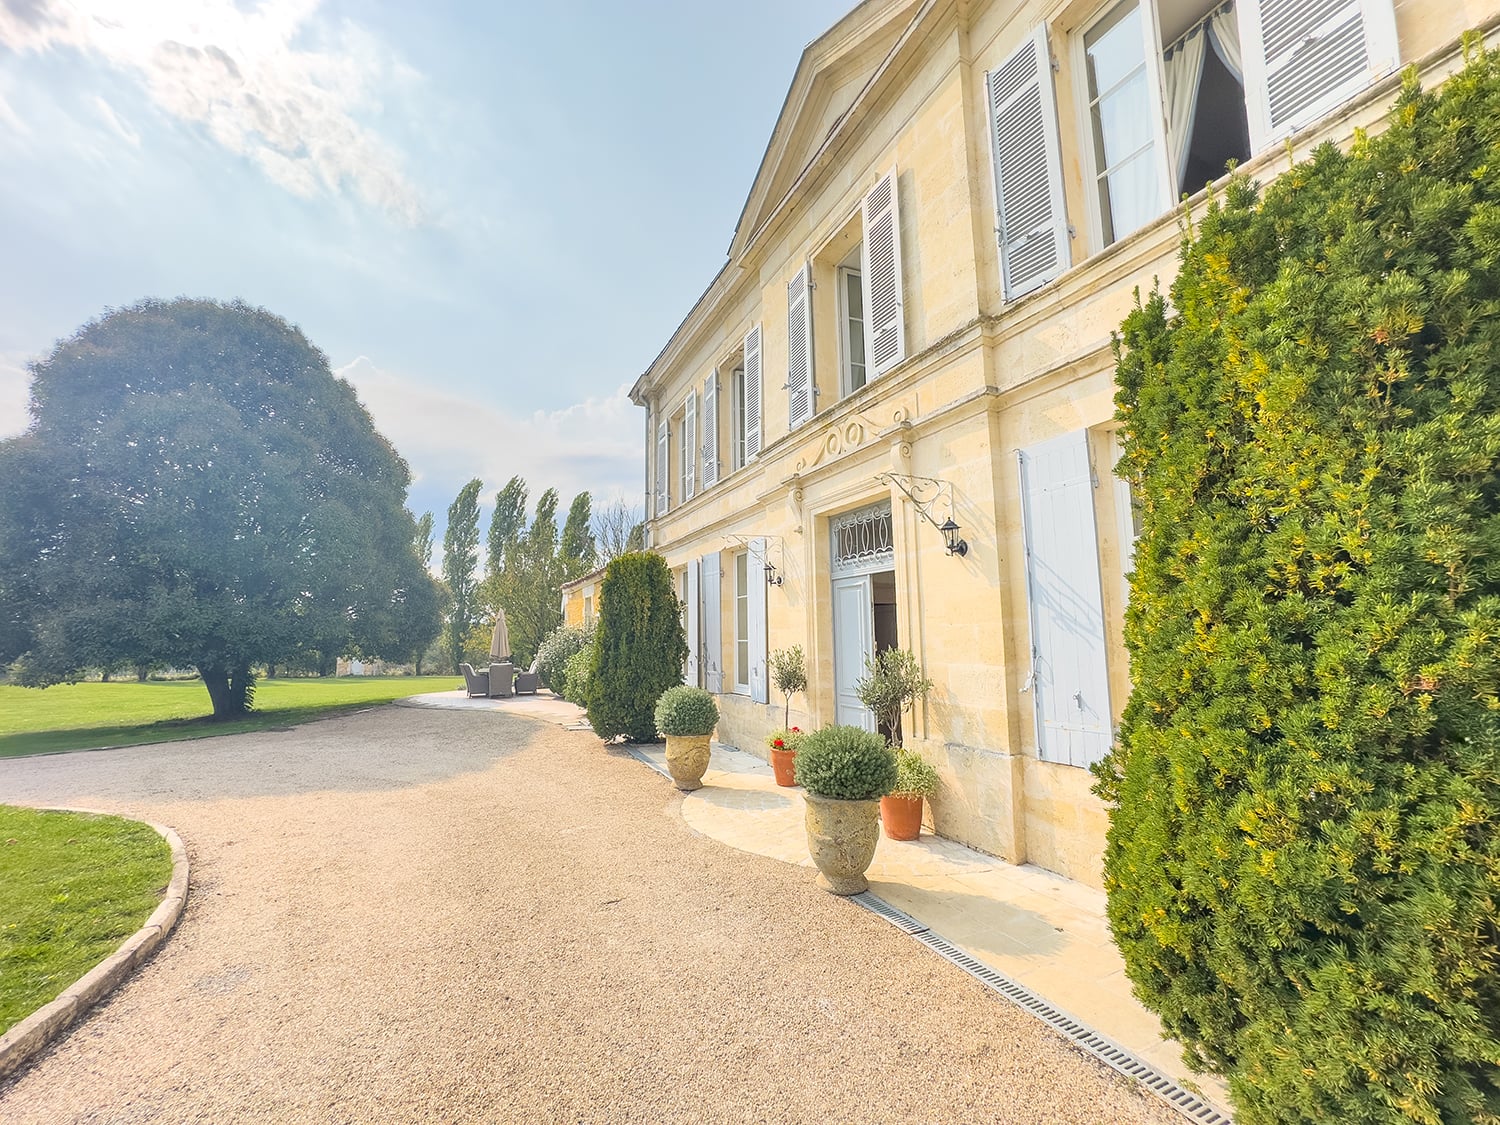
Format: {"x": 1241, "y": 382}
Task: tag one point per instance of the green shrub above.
{"x": 892, "y": 681}
{"x": 1303, "y": 865}
{"x": 639, "y": 647}
{"x": 791, "y": 738}
{"x": 578, "y": 676}
{"x": 915, "y": 775}
{"x": 846, "y": 763}
{"x": 683, "y": 710}
{"x": 556, "y": 649}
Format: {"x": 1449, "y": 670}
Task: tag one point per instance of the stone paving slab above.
{"x": 1038, "y": 928}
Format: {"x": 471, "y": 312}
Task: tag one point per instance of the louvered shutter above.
{"x": 692, "y": 673}
{"x": 759, "y": 690}
{"x": 710, "y": 426}
{"x": 799, "y": 392}
{"x": 885, "y": 330}
{"x": 710, "y": 614}
{"x": 663, "y": 467}
{"x": 752, "y": 393}
{"x": 1032, "y": 221}
{"x": 1303, "y": 57}
{"x": 689, "y": 446}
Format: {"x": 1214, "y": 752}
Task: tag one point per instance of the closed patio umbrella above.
{"x": 500, "y": 639}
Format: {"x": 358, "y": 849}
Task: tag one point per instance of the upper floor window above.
{"x": 851, "y": 302}
{"x": 737, "y": 416}
{"x": 1169, "y": 92}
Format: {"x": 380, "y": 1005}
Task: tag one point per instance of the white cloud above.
{"x": 116, "y": 122}
{"x": 449, "y": 436}
{"x": 245, "y": 76}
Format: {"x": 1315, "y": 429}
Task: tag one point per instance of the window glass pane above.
{"x": 742, "y": 620}
{"x": 854, "y": 328}
{"x": 1134, "y": 199}
{"x": 1115, "y": 46}
{"x": 1122, "y": 120}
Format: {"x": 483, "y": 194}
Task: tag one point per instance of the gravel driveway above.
{"x": 419, "y": 915}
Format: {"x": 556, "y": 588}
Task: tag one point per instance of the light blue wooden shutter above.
{"x": 1068, "y": 677}
{"x": 690, "y": 446}
{"x": 885, "y": 330}
{"x": 710, "y": 613}
{"x": 799, "y": 373}
{"x": 663, "y": 467}
{"x": 758, "y": 629}
{"x": 1303, "y": 57}
{"x": 1032, "y": 221}
{"x": 752, "y": 393}
{"x": 692, "y": 672}
{"x": 710, "y": 427}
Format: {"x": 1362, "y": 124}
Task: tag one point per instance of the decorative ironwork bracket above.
{"x": 924, "y": 493}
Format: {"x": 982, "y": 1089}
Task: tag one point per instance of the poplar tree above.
{"x": 460, "y": 567}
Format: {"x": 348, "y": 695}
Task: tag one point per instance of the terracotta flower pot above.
{"x": 687, "y": 759}
{"x": 901, "y": 817}
{"x": 841, "y": 835}
{"x": 784, "y": 762}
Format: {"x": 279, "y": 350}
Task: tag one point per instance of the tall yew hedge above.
{"x": 639, "y": 646}
{"x": 1303, "y": 864}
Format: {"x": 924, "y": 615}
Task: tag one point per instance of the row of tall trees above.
{"x": 526, "y": 559}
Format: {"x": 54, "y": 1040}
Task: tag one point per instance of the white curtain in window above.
{"x": 1182, "y": 75}
{"x": 1224, "y": 34}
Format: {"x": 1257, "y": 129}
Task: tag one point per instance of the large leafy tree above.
{"x": 460, "y": 570}
{"x": 197, "y": 489}
{"x": 1303, "y": 864}
{"x": 507, "y": 523}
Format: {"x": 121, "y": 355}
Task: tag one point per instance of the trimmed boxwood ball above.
{"x": 639, "y": 646}
{"x": 1303, "y": 865}
{"x": 846, "y": 763}
{"x": 683, "y": 710}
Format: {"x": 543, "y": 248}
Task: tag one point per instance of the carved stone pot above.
{"x": 687, "y": 759}
{"x": 841, "y": 835}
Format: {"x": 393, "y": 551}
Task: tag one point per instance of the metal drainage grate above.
{"x": 1111, "y": 1054}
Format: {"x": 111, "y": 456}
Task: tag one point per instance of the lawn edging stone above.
{"x": 38, "y": 1030}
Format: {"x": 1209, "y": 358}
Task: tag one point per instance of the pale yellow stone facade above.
{"x": 580, "y": 599}
{"x": 901, "y": 89}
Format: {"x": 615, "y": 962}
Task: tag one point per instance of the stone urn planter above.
{"x": 687, "y": 760}
{"x": 841, "y": 835}
{"x": 687, "y": 716}
{"x": 844, "y": 771}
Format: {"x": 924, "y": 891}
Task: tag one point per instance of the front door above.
{"x": 853, "y": 636}
{"x": 1067, "y": 677}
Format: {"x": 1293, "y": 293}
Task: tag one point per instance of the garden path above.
{"x": 416, "y": 914}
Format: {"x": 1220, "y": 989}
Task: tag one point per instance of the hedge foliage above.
{"x": 556, "y": 649}
{"x": 639, "y": 646}
{"x": 846, "y": 763}
{"x": 1303, "y": 866}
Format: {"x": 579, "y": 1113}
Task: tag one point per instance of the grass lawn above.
{"x": 72, "y": 888}
{"x": 88, "y": 716}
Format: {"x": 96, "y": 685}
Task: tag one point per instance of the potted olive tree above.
{"x": 893, "y": 681}
{"x": 789, "y": 674}
{"x": 687, "y": 716}
{"x": 845, "y": 771}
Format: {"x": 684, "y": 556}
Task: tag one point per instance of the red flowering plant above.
{"x": 785, "y": 738}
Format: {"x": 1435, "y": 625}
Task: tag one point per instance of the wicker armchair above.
{"x": 528, "y": 681}
{"x": 477, "y": 683}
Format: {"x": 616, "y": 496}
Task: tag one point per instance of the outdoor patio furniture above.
{"x": 477, "y": 683}
{"x": 501, "y": 677}
{"x": 528, "y": 681}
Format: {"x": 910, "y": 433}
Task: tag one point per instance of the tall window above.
{"x": 737, "y": 417}
{"x": 742, "y": 621}
{"x": 851, "y": 324}
{"x": 1126, "y": 162}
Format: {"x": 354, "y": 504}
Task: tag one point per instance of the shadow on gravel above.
{"x": 382, "y": 748}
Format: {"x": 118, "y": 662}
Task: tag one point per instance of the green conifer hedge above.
{"x": 1303, "y": 864}
{"x": 639, "y": 647}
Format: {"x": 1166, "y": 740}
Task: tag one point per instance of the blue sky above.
{"x": 489, "y": 216}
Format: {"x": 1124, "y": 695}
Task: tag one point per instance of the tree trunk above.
{"x": 231, "y": 692}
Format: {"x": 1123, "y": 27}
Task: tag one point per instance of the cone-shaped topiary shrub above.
{"x": 1303, "y": 864}
{"x": 639, "y": 647}
{"x": 846, "y": 763}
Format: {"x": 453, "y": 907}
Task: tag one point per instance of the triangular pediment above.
{"x": 834, "y": 71}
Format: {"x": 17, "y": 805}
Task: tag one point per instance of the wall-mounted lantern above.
{"x": 924, "y": 493}
{"x": 956, "y": 546}
{"x": 772, "y": 578}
